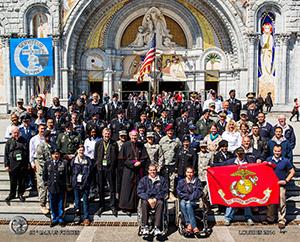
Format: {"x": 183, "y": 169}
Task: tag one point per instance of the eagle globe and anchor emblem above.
{"x": 31, "y": 56}
{"x": 243, "y": 186}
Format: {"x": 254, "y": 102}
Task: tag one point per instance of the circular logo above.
{"x": 18, "y": 225}
{"x": 31, "y": 56}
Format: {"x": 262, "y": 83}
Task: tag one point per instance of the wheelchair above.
{"x": 200, "y": 216}
{"x": 165, "y": 219}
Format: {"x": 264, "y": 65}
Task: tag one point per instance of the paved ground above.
{"x": 124, "y": 234}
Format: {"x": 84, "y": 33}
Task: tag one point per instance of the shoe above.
{"x": 156, "y": 231}
{"x": 100, "y": 211}
{"x": 172, "y": 198}
{"x": 115, "y": 212}
{"x": 227, "y": 222}
{"x": 189, "y": 228}
{"x": 53, "y": 224}
{"x": 44, "y": 210}
{"x": 22, "y": 199}
{"x": 7, "y": 200}
{"x": 146, "y": 230}
{"x": 86, "y": 222}
{"x": 62, "y": 224}
{"x": 266, "y": 222}
{"x": 281, "y": 226}
{"x": 196, "y": 231}
{"x": 128, "y": 213}
{"x": 77, "y": 217}
{"x": 250, "y": 222}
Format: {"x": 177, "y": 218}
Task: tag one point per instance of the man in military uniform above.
{"x": 164, "y": 120}
{"x": 221, "y": 124}
{"x": 252, "y": 112}
{"x": 67, "y": 142}
{"x": 203, "y": 124}
{"x": 16, "y": 164}
{"x": 58, "y": 121}
{"x": 135, "y": 108}
{"x": 20, "y": 110}
{"x": 213, "y": 115}
{"x": 157, "y": 131}
{"x": 43, "y": 154}
{"x": 96, "y": 122}
{"x": 185, "y": 157}
{"x": 182, "y": 124}
{"x": 57, "y": 182}
{"x": 244, "y": 119}
{"x": 194, "y": 107}
{"x": 154, "y": 151}
{"x": 170, "y": 145}
{"x": 66, "y": 116}
{"x": 250, "y": 99}
{"x": 235, "y": 105}
{"x": 144, "y": 120}
{"x": 54, "y": 132}
{"x": 118, "y": 124}
{"x": 194, "y": 139}
{"x": 173, "y": 107}
{"x": 113, "y": 107}
{"x": 26, "y": 130}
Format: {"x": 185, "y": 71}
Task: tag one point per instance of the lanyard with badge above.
{"x": 104, "y": 162}
{"x": 79, "y": 176}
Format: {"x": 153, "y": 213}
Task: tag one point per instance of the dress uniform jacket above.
{"x": 235, "y": 107}
{"x": 52, "y": 109}
{"x": 195, "y": 109}
{"x": 221, "y": 127}
{"x": 134, "y": 111}
{"x": 174, "y": 110}
{"x": 116, "y": 125}
{"x": 165, "y": 123}
{"x": 67, "y": 143}
{"x": 221, "y": 156}
{"x": 252, "y": 116}
{"x": 112, "y": 109}
{"x": 195, "y": 142}
{"x": 56, "y": 176}
{"x": 185, "y": 158}
{"x": 27, "y": 133}
{"x": 182, "y": 126}
{"x": 45, "y": 111}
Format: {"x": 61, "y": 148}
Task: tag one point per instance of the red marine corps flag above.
{"x": 243, "y": 185}
{"x": 150, "y": 56}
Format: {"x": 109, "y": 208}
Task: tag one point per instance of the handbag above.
{"x": 294, "y": 111}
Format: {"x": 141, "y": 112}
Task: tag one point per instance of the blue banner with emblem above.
{"x": 31, "y": 57}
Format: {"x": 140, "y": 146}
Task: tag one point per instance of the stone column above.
{"x": 251, "y": 61}
{"x": 277, "y": 60}
{"x": 56, "y": 86}
{"x": 283, "y": 87}
{"x": 7, "y": 77}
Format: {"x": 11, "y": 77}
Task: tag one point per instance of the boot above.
{"x": 77, "y": 217}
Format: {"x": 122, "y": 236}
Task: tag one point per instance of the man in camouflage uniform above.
{"x": 43, "y": 154}
{"x": 170, "y": 145}
{"x": 244, "y": 119}
{"x": 154, "y": 151}
{"x": 20, "y": 110}
{"x": 67, "y": 142}
{"x": 203, "y": 124}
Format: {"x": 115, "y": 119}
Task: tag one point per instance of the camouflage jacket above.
{"x": 169, "y": 148}
{"x": 155, "y": 155}
{"x": 204, "y": 160}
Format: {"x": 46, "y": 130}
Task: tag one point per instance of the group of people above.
{"x": 82, "y": 148}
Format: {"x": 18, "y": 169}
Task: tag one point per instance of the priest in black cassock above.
{"x": 134, "y": 156}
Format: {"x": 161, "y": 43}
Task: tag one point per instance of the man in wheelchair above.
{"x": 152, "y": 190}
{"x": 189, "y": 191}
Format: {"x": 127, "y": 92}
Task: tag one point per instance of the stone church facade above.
{"x": 99, "y": 45}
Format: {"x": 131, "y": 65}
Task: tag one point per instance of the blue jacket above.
{"x": 148, "y": 189}
{"x": 286, "y": 150}
{"x": 231, "y": 162}
{"x": 266, "y": 131}
{"x": 83, "y": 169}
{"x": 196, "y": 142}
{"x": 195, "y": 187}
{"x": 95, "y": 108}
{"x": 289, "y": 134}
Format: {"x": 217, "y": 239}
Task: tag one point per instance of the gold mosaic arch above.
{"x": 97, "y": 35}
{"x": 132, "y": 29}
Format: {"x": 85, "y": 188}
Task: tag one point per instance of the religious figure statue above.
{"x": 41, "y": 25}
{"x": 153, "y": 22}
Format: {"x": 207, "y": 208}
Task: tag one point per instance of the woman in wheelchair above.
{"x": 189, "y": 191}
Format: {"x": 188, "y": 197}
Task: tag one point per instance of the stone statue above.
{"x": 153, "y": 22}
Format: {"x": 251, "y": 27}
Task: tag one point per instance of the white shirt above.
{"x": 34, "y": 142}
{"x": 89, "y": 145}
{"x": 232, "y": 138}
{"x": 217, "y": 102}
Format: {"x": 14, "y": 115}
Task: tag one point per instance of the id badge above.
{"x": 79, "y": 178}
{"x": 19, "y": 157}
{"x": 104, "y": 162}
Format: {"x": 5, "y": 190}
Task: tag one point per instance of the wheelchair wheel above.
{"x": 165, "y": 219}
{"x": 139, "y": 218}
{"x": 177, "y": 212}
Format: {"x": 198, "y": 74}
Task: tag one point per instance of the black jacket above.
{"x": 185, "y": 159}
{"x": 219, "y": 157}
{"x": 235, "y": 107}
{"x": 111, "y": 155}
{"x": 262, "y": 146}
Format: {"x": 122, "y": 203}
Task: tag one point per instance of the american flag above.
{"x": 146, "y": 67}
